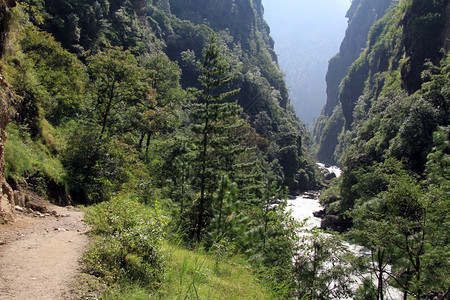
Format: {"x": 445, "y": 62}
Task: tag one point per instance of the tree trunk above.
{"x": 108, "y": 109}
{"x": 202, "y": 185}
{"x": 147, "y": 144}
{"x": 141, "y": 140}
{"x": 380, "y": 293}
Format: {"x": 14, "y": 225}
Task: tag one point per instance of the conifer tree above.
{"x": 213, "y": 119}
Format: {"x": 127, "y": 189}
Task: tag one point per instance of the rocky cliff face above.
{"x": 140, "y": 9}
{"x": 425, "y": 30}
{"x": 404, "y": 42}
{"x": 361, "y": 16}
{"x": 6, "y": 193}
{"x": 378, "y": 55}
{"x": 394, "y": 102}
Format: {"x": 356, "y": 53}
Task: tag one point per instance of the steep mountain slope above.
{"x": 361, "y": 16}
{"x": 391, "y": 128}
{"x": 6, "y": 195}
{"x": 399, "y": 58}
{"x": 180, "y": 29}
{"x": 394, "y": 96}
{"x": 390, "y": 133}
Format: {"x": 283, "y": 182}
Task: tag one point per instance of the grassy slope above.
{"x": 193, "y": 274}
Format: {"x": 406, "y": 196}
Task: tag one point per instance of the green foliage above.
{"x": 97, "y": 168}
{"x": 194, "y": 274}
{"x": 271, "y": 238}
{"x": 118, "y": 84}
{"x": 25, "y": 157}
{"x": 227, "y": 221}
{"x": 90, "y": 25}
{"x": 129, "y": 241}
{"x": 331, "y": 195}
{"x": 58, "y": 71}
{"x": 323, "y": 267}
{"x": 404, "y": 224}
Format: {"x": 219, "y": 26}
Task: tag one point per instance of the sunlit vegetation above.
{"x": 178, "y": 136}
{"x": 167, "y": 142}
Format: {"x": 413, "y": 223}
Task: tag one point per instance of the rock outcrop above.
{"x": 335, "y": 223}
{"x": 361, "y": 16}
{"x": 6, "y": 193}
{"x": 140, "y": 9}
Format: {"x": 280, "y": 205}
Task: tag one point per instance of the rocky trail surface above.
{"x": 40, "y": 253}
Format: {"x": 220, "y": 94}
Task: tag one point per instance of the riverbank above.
{"x": 307, "y": 205}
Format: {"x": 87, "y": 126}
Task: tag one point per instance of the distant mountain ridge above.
{"x": 307, "y": 34}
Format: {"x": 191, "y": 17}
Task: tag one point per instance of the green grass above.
{"x": 24, "y": 155}
{"x": 193, "y": 274}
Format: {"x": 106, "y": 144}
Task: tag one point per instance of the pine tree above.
{"x": 213, "y": 121}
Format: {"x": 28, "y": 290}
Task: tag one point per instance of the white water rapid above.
{"x": 302, "y": 207}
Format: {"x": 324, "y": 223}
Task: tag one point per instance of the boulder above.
{"x": 310, "y": 194}
{"x": 37, "y": 206}
{"x": 336, "y": 223}
{"x": 330, "y": 176}
{"x": 319, "y": 213}
{"x": 6, "y": 203}
{"x": 19, "y": 198}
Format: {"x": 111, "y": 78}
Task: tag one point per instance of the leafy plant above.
{"x": 129, "y": 241}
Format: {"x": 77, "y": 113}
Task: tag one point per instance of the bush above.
{"x": 96, "y": 168}
{"x": 129, "y": 244}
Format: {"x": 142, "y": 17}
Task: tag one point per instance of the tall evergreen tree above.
{"x": 213, "y": 118}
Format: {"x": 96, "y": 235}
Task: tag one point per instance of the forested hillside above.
{"x": 361, "y": 16}
{"x": 171, "y": 119}
{"x": 386, "y": 123}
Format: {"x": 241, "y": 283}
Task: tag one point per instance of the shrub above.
{"x": 129, "y": 243}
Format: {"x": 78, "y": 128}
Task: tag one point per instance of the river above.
{"x": 303, "y": 207}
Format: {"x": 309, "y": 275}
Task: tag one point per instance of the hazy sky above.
{"x": 307, "y": 34}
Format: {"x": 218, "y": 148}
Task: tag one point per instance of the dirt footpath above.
{"x": 40, "y": 254}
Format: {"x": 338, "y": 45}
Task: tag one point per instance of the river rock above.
{"x": 36, "y": 204}
{"x": 336, "y": 223}
{"x": 330, "y": 176}
{"x": 319, "y": 213}
{"x": 310, "y": 195}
